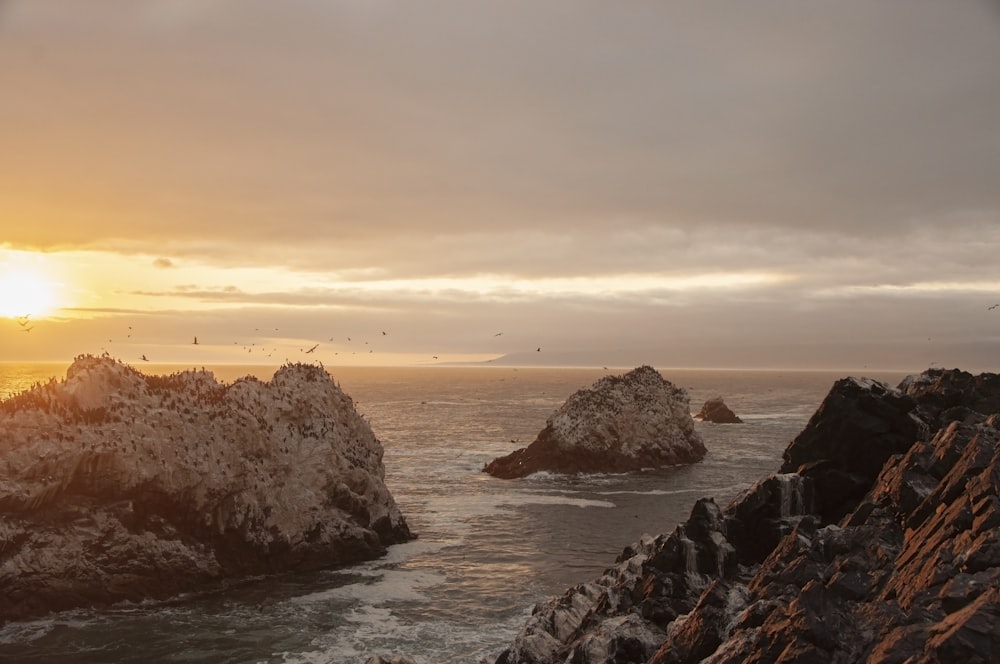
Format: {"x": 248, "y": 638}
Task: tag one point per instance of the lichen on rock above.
{"x": 117, "y": 485}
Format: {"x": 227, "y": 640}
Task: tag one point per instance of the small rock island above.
{"x": 115, "y": 485}
{"x": 620, "y": 424}
{"x": 716, "y": 411}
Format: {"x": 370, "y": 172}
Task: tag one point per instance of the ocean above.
{"x": 487, "y": 550}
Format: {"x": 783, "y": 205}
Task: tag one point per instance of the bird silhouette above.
{"x": 498, "y": 334}
{"x": 28, "y": 329}
{"x": 313, "y": 348}
{"x": 144, "y": 358}
{"x": 538, "y": 350}
{"x": 195, "y": 342}
{"x": 992, "y": 307}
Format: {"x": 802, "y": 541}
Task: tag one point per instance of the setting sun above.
{"x": 26, "y": 292}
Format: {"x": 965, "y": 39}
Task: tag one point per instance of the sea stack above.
{"x": 116, "y": 486}
{"x": 619, "y": 424}
{"x": 716, "y": 411}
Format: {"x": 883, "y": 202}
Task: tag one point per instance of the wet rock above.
{"x": 620, "y": 424}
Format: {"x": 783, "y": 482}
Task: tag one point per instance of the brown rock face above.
{"x": 716, "y": 411}
{"x": 115, "y": 485}
{"x": 620, "y": 424}
{"x": 910, "y": 573}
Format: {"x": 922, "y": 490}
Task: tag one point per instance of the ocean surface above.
{"x": 488, "y": 549}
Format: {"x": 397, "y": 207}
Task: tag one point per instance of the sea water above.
{"x": 487, "y": 550}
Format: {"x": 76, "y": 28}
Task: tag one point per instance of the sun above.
{"x": 26, "y": 292}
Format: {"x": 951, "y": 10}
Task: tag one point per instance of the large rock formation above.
{"x": 909, "y": 573}
{"x": 115, "y": 485}
{"x": 619, "y": 424}
{"x": 716, "y": 411}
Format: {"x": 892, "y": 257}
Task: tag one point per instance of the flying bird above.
{"x": 498, "y": 334}
{"x": 23, "y": 320}
{"x": 28, "y": 329}
{"x": 313, "y": 348}
{"x": 993, "y": 307}
{"x": 144, "y": 358}
{"x": 538, "y": 350}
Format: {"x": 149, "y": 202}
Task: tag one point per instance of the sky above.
{"x": 718, "y": 183}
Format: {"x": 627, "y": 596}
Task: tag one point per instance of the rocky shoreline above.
{"x": 878, "y": 542}
{"x": 116, "y": 485}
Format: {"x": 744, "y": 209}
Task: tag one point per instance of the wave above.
{"x": 371, "y": 630}
{"x": 390, "y": 585}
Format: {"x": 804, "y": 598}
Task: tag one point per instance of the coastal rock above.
{"x": 858, "y": 427}
{"x": 910, "y": 572}
{"x": 116, "y": 486}
{"x": 619, "y": 424}
{"x": 716, "y": 411}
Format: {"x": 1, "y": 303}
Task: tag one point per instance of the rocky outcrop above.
{"x": 909, "y": 573}
{"x": 619, "y": 424}
{"x": 115, "y": 485}
{"x": 716, "y": 411}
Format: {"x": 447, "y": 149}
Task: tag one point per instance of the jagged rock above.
{"x": 620, "y": 424}
{"x": 115, "y": 485}
{"x": 911, "y": 573}
{"x": 715, "y": 410}
{"x": 859, "y": 425}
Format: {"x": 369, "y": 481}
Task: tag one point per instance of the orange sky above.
{"x": 682, "y": 184}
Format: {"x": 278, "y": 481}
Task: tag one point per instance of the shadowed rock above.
{"x": 910, "y": 573}
{"x": 716, "y": 411}
{"x": 620, "y": 424}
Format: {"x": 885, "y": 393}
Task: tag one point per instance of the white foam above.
{"x": 386, "y": 586}
{"x": 379, "y": 631}
{"x": 541, "y": 499}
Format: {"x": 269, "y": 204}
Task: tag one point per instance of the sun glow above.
{"x": 26, "y": 291}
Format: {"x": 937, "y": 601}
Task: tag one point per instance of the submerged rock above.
{"x": 715, "y": 410}
{"x": 619, "y": 424}
{"x": 908, "y": 572}
{"x": 115, "y": 485}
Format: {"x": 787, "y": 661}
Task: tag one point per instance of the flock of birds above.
{"x": 27, "y": 325}
{"x": 23, "y": 322}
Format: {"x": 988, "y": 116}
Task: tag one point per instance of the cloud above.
{"x": 338, "y": 122}
{"x": 381, "y": 157}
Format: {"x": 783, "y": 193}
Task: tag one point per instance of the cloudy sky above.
{"x": 723, "y": 183}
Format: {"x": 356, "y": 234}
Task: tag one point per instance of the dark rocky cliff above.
{"x": 879, "y": 542}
